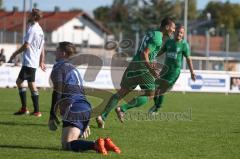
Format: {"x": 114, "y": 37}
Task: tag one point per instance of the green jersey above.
{"x": 137, "y": 73}
{"x": 153, "y": 41}
{"x": 174, "y": 52}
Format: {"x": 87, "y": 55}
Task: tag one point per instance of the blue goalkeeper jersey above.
{"x": 67, "y": 81}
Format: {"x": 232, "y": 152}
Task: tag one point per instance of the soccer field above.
{"x": 208, "y": 128}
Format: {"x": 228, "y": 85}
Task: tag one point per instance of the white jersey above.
{"x": 35, "y": 38}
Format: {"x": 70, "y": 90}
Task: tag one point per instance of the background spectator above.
{"x": 2, "y": 57}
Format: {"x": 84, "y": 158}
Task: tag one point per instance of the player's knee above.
{"x": 120, "y": 94}
{"x": 150, "y": 94}
{"x": 22, "y": 89}
{"x": 18, "y": 83}
{"x": 34, "y": 93}
{"x": 32, "y": 86}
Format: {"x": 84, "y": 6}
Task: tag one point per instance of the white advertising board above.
{"x": 107, "y": 78}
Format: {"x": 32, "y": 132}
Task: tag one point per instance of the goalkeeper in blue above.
{"x": 174, "y": 49}
{"x": 68, "y": 98}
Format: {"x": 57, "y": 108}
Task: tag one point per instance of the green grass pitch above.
{"x": 210, "y": 129}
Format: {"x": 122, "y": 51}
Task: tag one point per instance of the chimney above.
{"x": 15, "y": 9}
{"x": 56, "y": 9}
{"x": 35, "y": 5}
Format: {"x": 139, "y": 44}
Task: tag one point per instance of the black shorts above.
{"x": 27, "y": 73}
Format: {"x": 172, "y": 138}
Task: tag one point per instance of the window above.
{"x": 79, "y": 27}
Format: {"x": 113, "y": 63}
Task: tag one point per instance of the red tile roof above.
{"x": 13, "y": 21}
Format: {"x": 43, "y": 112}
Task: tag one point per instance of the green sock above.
{"x": 111, "y": 104}
{"x": 158, "y": 101}
{"x": 136, "y": 102}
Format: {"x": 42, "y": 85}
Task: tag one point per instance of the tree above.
{"x": 226, "y": 17}
{"x": 162, "y": 8}
{"x": 119, "y": 11}
{"x": 102, "y": 14}
{"x": 115, "y": 17}
{"x": 1, "y": 5}
{"x": 192, "y": 9}
{"x": 226, "y": 14}
{"x": 140, "y": 15}
{"x": 178, "y": 10}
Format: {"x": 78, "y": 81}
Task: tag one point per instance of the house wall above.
{"x": 88, "y": 32}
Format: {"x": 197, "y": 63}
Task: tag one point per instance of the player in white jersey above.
{"x": 33, "y": 56}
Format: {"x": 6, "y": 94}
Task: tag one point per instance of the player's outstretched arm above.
{"x": 160, "y": 53}
{"x": 20, "y": 50}
{"x": 42, "y": 60}
{"x": 145, "y": 57}
{"x": 190, "y": 65}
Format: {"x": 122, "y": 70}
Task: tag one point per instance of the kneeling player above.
{"x": 174, "y": 49}
{"x": 68, "y": 97}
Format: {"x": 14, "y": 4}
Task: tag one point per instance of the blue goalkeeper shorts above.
{"x": 78, "y": 115}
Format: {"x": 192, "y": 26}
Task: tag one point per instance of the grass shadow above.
{"x": 21, "y": 124}
{"x": 236, "y": 132}
{"x": 30, "y": 147}
{"x": 40, "y": 148}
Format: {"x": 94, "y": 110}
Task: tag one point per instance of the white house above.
{"x": 76, "y": 27}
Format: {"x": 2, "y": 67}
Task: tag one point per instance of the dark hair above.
{"x": 166, "y": 21}
{"x": 67, "y": 47}
{"x": 179, "y": 26}
{"x": 37, "y": 14}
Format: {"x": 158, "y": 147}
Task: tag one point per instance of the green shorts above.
{"x": 171, "y": 77}
{"x": 138, "y": 75}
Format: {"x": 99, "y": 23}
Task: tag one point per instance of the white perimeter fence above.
{"x": 110, "y": 78}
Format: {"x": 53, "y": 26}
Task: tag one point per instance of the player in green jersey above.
{"x": 140, "y": 71}
{"x": 174, "y": 50}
